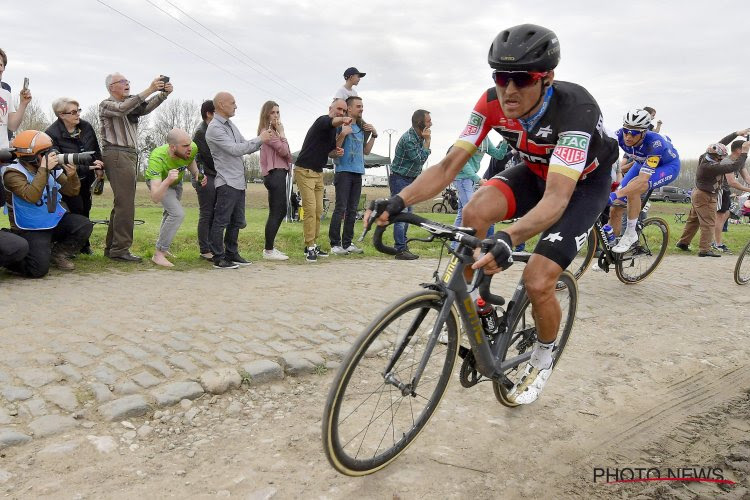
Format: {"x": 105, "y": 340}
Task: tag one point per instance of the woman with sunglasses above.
{"x": 656, "y": 164}
{"x": 559, "y": 190}
{"x": 71, "y": 134}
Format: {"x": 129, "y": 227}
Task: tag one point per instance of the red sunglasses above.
{"x": 520, "y": 78}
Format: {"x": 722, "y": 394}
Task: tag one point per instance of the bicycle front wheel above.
{"x": 523, "y": 334}
{"x": 368, "y": 421}
{"x": 742, "y": 268}
{"x": 439, "y": 208}
{"x": 644, "y": 257}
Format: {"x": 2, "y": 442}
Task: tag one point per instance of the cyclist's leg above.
{"x": 555, "y": 250}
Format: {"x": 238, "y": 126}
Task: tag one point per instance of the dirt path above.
{"x": 655, "y": 375}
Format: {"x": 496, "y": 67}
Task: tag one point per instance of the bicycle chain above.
{"x": 469, "y": 376}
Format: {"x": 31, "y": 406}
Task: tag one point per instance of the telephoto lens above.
{"x": 85, "y": 159}
{"x": 7, "y": 155}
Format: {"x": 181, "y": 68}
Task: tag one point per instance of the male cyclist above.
{"x": 656, "y": 164}
{"x": 559, "y": 189}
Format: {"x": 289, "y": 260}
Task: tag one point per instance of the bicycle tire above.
{"x": 647, "y": 239}
{"x": 585, "y": 256}
{"x": 357, "y": 452}
{"x": 742, "y": 276}
{"x": 523, "y": 329}
{"x": 439, "y": 208}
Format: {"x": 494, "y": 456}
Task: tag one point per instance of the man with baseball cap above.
{"x": 351, "y": 78}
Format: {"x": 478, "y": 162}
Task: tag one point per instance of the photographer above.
{"x": 70, "y": 134}
{"x": 35, "y": 185}
{"x": 119, "y": 115}
{"x": 166, "y": 167}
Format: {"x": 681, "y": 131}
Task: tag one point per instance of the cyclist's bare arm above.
{"x": 432, "y": 180}
{"x": 550, "y": 208}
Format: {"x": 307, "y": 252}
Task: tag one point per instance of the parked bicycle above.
{"x": 448, "y": 202}
{"x": 742, "y": 268}
{"x": 634, "y": 265}
{"x": 396, "y": 373}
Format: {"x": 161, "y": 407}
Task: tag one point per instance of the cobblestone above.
{"x": 62, "y": 396}
{"x": 146, "y": 380}
{"x": 295, "y": 364}
{"x": 13, "y": 393}
{"x": 160, "y": 367}
{"x": 134, "y": 352}
{"x": 10, "y": 437}
{"x": 35, "y": 407}
{"x": 184, "y": 363}
{"x": 105, "y": 375}
{"x": 263, "y": 370}
{"x": 51, "y": 424}
{"x": 126, "y": 407}
{"x": 37, "y": 377}
{"x": 78, "y": 359}
{"x": 69, "y": 373}
{"x": 101, "y": 392}
{"x": 175, "y": 392}
{"x": 119, "y": 362}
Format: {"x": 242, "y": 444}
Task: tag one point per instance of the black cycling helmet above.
{"x": 526, "y": 47}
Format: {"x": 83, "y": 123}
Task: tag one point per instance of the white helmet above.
{"x": 637, "y": 119}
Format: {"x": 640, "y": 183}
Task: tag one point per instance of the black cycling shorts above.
{"x": 561, "y": 242}
{"x": 724, "y": 201}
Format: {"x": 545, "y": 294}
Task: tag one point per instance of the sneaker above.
{"x": 683, "y": 247}
{"x": 339, "y": 250}
{"x": 274, "y": 255}
{"x": 520, "y": 247}
{"x": 311, "y": 255}
{"x": 406, "y": 255}
{"x": 710, "y": 253}
{"x": 225, "y": 264}
{"x": 320, "y": 251}
{"x": 61, "y": 261}
{"x": 354, "y": 249}
{"x": 628, "y": 240}
{"x": 207, "y": 256}
{"x": 530, "y": 387}
{"x": 237, "y": 259}
{"x": 723, "y": 248}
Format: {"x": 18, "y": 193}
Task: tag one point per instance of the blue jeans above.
{"x": 464, "y": 188}
{"x": 397, "y": 183}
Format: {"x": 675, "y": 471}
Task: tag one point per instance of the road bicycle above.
{"x": 638, "y": 262}
{"x": 742, "y": 268}
{"x": 448, "y": 202}
{"x": 396, "y": 372}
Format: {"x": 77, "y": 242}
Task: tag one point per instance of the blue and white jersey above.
{"x": 654, "y": 151}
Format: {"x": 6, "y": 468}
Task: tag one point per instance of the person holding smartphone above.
{"x": 10, "y": 117}
{"x": 166, "y": 167}
{"x": 275, "y": 158}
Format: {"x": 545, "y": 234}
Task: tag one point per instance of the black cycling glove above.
{"x": 502, "y": 249}
{"x": 393, "y": 205}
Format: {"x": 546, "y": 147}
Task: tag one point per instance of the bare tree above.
{"x": 34, "y": 118}
{"x": 91, "y": 115}
{"x": 252, "y": 166}
{"x": 175, "y": 113}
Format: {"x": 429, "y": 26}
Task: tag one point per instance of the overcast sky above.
{"x": 690, "y": 63}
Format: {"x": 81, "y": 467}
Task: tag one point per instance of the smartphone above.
{"x": 26, "y": 83}
{"x": 164, "y": 79}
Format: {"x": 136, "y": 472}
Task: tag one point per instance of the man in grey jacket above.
{"x": 227, "y": 148}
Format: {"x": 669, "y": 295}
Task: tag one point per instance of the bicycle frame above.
{"x": 456, "y": 290}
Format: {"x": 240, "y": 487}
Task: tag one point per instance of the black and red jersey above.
{"x": 569, "y": 138}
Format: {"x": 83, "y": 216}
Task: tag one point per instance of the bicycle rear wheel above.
{"x": 585, "y": 256}
{"x": 439, "y": 208}
{"x": 644, "y": 257}
{"x": 742, "y": 268}
{"x": 523, "y": 334}
{"x": 368, "y": 422}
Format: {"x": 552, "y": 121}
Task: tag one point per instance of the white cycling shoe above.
{"x": 628, "y": 240}
{"x": 530, "y": 387}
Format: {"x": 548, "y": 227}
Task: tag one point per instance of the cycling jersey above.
{"x": 654, "y": 151}
{"x": 568, "y": 139}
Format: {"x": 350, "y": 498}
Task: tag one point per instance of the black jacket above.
{"x": 204, "y": 159}
{"x": 86, "y": 141}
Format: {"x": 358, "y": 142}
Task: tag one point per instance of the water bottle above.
{"x": 610, "y": 234}
{"x": 488, "y": 315}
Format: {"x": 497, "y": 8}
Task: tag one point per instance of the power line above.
{"x": 300, "y": 91}
{"x": 214, "y": 43}
{"x": 190, "y": 51}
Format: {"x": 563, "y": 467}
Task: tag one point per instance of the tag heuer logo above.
{"x": 476, "y": 119}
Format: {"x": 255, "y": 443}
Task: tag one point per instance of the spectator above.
{"x": 34, "y": 207}
{"x": 275, "y": 158}
{"x": 703, "y": 198}
{"x": 728, "y": 181}
{"x": 70, "y": 134}
{"x": 352, "y": 76}
{"x": 510, "y": 159}
{"x": 10, "y": 117}
{"x": 227, "y": 148}
{"x": 206, "y": 193}
{"x": 319, "y": 143}
{"x": 410, "y": 155}
{"x": 357, "y": 141}
{"x": 652, "y": 112}
{"x": 166, "y": 167}
{"x": 119, "y": 115}
{"x": 468, "y": 179}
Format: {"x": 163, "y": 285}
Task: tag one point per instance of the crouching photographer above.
{"x": 35, "y": 185}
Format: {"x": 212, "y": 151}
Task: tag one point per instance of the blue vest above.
{"x": 34, "y": 216}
